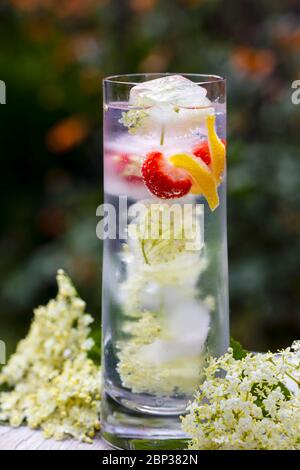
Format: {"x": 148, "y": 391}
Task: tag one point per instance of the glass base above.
{"x": 125, "y": 429}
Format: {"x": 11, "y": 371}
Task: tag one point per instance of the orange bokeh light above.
{"x": 257, "y": 63}
{"x": 67, "y": 134}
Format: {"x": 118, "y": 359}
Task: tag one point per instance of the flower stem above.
{"x": 293, "y": 378}
{"x": 162, "y": 135}
{"x": 288, "y": 374}
{"x": 144, "y": 252}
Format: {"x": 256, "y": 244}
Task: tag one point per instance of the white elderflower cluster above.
{"x": 248, "y": 404}
{"x": 165, "y": 324}
{"x": 143, "y": 374}
{"x": 53, "y": 384}
{"x": 133, "y": 119}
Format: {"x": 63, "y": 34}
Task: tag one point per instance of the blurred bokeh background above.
{"x": 53, "y": 55}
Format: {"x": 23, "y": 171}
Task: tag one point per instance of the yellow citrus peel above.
{"x": 216, "y": 148}
{"x": 203, "y": 179}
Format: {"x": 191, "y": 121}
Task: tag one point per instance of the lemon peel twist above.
{"x": 203, "y": 180}
{"x": 206, "y": 179}
{"x": 217, "y": 149}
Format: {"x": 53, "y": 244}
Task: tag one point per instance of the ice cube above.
{"x": 172, "y": 102}
{"x": 176, "y": 121}
{"x": 187, "y": 324}
{"x": 174, "y": 90}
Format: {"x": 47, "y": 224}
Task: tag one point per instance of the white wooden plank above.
{"x": 25, "y": 439}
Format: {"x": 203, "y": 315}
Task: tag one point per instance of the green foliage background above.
{"x": 53, "y": 56}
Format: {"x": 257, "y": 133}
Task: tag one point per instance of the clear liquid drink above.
{"x": 165, "y": 294}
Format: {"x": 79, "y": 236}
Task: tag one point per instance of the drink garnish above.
{"x": 173, "y": 102}
{"x": 163, "y": 179}
{"x": 201, "y": 150}
{"x": 128, "y": 166}
{"x": 217, "y": 149}
{"x": 133, "y": 119}
{"x": 203, "y": 180}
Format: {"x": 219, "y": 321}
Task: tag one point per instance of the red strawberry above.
{"x": 163, "y": 179}
{"x": 202, "y": 151}
{"x": 128, "y": 166}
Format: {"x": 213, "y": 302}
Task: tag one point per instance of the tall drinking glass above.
{"x": 165, "y": 295}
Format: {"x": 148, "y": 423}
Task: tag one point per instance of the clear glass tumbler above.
{"x": 165, "y": 292}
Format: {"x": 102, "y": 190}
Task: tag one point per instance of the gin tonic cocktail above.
{"x": 165, "y": 301}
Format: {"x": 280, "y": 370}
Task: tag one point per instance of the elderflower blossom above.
{"x": 248, "y": 404}
{"x": 160, "y": 251}
{"x": 142, "y": 374}
{"x": 53, "y": 384}
{"x": 133, "y": 119}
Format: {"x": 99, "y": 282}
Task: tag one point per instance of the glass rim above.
{"x": 120, "y": 78}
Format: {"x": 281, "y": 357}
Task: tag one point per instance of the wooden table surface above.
{"x": 24, "y": 439}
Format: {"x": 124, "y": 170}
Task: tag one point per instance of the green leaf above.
{"x": 95, "y": 352}
{"x": 261, "y": 390}
{"x": 238, "y": 351}
{"x": 4, "y": 388}
{"x": 285, "y": 391}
